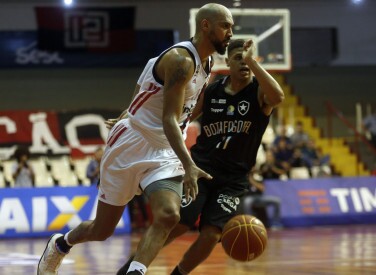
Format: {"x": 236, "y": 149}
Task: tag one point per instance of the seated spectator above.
{"x": 22, "y": 172}
{"x": 282, "y": 135}
{"x": 92, "y": 171}
{"x": 283, "y": 154}
{"x": 271, "y": 169}
{"x": 313, "y": 156}
{"x": 298, "y": 159}
{"x": 256, "y": 198}
{"x": 299, "y": 138}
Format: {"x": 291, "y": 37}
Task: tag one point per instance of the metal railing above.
{"x": 356, "y": 135}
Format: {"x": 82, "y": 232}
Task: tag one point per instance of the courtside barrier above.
{"x": 37, "y": 212}
{"x": 326, "y": 201}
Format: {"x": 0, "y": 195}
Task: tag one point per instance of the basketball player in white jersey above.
{"x": 146, "y": 151}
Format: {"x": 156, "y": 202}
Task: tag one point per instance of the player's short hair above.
{"x": 234, "y": 44}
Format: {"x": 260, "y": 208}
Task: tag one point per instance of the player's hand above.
{"x": 111, "y": 122}
{"x": 248, "y": 49}
{"x": 190, "y": 187}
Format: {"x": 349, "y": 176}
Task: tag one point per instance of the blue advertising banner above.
{"x": 326, "y": 201}
{"x": 37, "y": 212}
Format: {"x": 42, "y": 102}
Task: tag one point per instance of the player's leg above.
{"x": 164, "y": 198}
{"x": 165, "y": 207}
{"x": 99, "y": 229}
{"x": 200, "y": 250}
{"x": 117, "y": 187}
{"x": 178, "y": 230}
{"x": 189, "y": 213}
{"x": 222, "y": 204}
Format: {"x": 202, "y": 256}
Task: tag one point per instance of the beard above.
{"x": 219, "y": 46}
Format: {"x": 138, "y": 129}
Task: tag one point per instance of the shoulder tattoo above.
{"x": 180, "y": 72}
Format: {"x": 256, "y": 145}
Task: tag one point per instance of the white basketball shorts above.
{"x": 130, "y": 163}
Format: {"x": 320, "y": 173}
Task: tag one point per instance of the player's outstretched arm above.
{"x": 271, "y": 92}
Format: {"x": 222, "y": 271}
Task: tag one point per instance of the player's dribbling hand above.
{"x": 191, "y": 176}
{"x": 248, "y": 49}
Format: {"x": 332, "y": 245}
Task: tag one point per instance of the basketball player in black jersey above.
{"x": 235, "y": 113}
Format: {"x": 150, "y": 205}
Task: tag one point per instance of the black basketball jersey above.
{"x": 232, "y": 127}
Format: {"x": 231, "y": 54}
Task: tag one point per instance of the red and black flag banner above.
{"x": 99, "y": 29}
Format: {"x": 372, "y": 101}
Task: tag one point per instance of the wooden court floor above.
{"x": 318, "y": 250}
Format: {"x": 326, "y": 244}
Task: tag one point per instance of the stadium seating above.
{"x": 7, "y": 171}
{"x": 344, "y": 162}
{"x": 80, "y": 169}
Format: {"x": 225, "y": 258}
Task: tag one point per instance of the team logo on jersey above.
{"x": 230, "y": 110}
{"x": 185, "y": 202}
{"x": 243, "y": 107}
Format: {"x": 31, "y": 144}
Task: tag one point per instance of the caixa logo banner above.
{"x": 326, "y": 201}
{"x": 35, "y": 212}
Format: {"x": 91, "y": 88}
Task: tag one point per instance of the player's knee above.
{"x": 211, "y": 234}
{"x": 101, "y": 233}
{"x": 168, "y": 217}
{"x": 104, "y": 235}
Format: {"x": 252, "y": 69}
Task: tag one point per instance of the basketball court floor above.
{"x": 317, "y": 250}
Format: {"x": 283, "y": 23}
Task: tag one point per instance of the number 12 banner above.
{"x": 86, "y": 29}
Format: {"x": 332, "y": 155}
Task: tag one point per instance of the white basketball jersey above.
{"x": 145, "y": 111}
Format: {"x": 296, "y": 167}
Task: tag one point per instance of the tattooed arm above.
{"x": 270, "y": 92}
{"x": 176, "y": 68}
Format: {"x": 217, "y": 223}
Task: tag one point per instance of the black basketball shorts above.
{"x": 215, "y": 203}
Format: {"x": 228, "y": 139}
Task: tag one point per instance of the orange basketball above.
{"x": 244, "y": 238}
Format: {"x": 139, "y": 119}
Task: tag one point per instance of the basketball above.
{"x": 244, "y": 238}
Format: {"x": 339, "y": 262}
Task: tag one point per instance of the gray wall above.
{"x": 342, "y": 86}
{"x": 355, "y": 23}
{"x": 62, "y": 89}
{"x": 112, "y": 88}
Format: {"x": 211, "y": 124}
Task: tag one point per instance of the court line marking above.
{"x": 24, "y": 259}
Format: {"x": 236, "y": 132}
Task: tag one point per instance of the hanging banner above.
{"x": 93, "y": 29}
{"x": 64, "y": 132}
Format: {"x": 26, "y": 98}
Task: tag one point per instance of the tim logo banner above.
{"x": 86, "y": 29}
{"x": 326, "y": 201}
{"x": 36, "y": 212}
